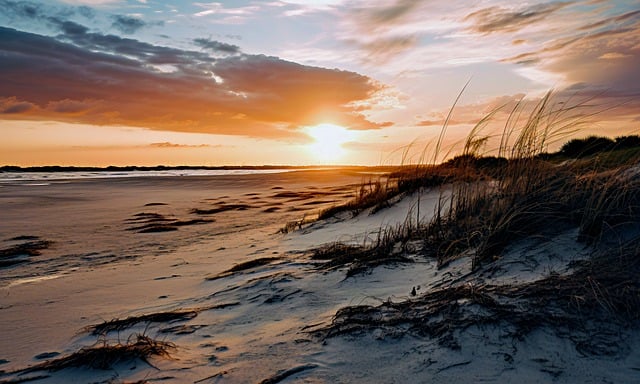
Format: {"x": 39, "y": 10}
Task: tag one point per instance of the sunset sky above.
{"x": 148, "y": 82}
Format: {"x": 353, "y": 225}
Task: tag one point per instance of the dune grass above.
{"x": 526, "y": 194}
{"x": 523, "y": 192}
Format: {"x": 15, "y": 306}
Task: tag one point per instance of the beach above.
{"x": 326, "y": 191}
{"x": 220, "y": 271}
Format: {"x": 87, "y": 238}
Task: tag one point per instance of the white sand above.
{"x": 96, "y": 270}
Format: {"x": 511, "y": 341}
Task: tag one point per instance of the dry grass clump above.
{"x": 284, "y": 374}
{"x": 18, "y": 253}
{"x": 151, "y": 222}
{"x": 252, "y": 264}
{"x": 388, "y": 247}
{"x": 221, "y": 208}
{"x": 241, "y": 267}
{"x": 159, "y": 317}
{"x": 592, "y": 304}
{"x": 370, "y": 194}
{"x": 104, "y": 355}
{"x": 297, "y": 224}
{"x": 378, "y": 194}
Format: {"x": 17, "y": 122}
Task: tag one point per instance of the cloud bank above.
{"x": 88, "y": 77}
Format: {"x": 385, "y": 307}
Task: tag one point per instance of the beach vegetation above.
{"x": 21, "y": 248}
{"x": 590, "y": 187}
{"x": 492, "y": 201}
{"x": 245, "y": 266}
{"x": 157, "y": 317}
{"x": 589, "y": 306}
{"x": 105, "y": 355}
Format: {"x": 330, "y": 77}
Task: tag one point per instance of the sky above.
{"x": 293, "y": 82}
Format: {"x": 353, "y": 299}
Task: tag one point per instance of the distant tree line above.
{"x": 577, "y": 148}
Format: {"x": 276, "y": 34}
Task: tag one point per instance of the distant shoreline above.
{"x": 57, "y": 168}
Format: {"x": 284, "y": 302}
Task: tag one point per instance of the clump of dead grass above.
{"x": 221, "y": 208}
{"x": 27, "y": 246}
{"x": 105, "y": 355}
{"x": 158, "y": 317}
{"x": 151, "y": 222}
{"x": 389, "y": 246}
{"x": 374, "y": 193}
{"x": 242, "y": 267}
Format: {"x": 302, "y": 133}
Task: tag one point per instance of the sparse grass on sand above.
{"x": 221, "y": 208}
{"x": 26, "y": 246}
{"x": 158, "y": 317}
{"x": 105, "y": 355}
{"x": 151, "y": 222}
{"x": 247, "y": 265}
{"x": 386, "y": 248}
{"x": 591, "y": 304}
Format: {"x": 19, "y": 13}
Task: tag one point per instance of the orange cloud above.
{"x": 85, "y": 77}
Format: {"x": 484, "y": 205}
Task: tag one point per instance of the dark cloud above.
{"x": 502, "y": 20}
{"x": 389, "y": 14}
{"x": 625, "y": 17}
{"x": 34, "y": 11}
{"x": 92, "y": 78}
{"x": 217, "y": 46}
{"x": 86, "y": 12}
{"x": 11, "y": 105}
{"x": 69, "y": 28}
{"x": 383, "y": 49}
{"x": 608, "y": 59}
{"x": 69, "y": 106}
{"x": 599, "y": 61}
{"x": 25, "y": 9}
{"x": 80, "y": 36}
{"x": 59, "y": 17}
{"x": 127, "y": 24}
{"x": 374, "y": 26}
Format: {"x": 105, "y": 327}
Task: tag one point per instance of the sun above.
{"x": 328, "y": 142}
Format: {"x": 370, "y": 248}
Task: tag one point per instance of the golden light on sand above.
{"x": 328, "y": 142}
